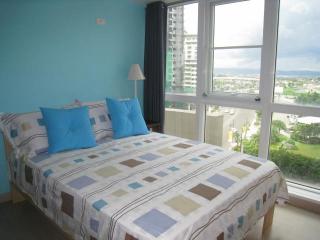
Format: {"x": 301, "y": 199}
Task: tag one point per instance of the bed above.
{"x": 151, "y": 186}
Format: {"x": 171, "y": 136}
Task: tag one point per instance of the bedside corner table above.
{"x": 153, "y": 126}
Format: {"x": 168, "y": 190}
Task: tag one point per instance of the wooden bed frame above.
{"x": 18, "y": 196}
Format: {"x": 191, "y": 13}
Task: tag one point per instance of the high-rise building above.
{"x": 175, "y": 43}
{"x": 190, "y": 62}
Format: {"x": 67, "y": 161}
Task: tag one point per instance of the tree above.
{"x": 241, "y": 137}
{"x": 306, "y": 133}
{"x": 237, "y": 139}
{"x": 252, "y": 146}
{"x": 279, "y": 125}
{"x": 291, "y": 164}
{"x": 296, "y": 165}
{"x": 258, "y": 118}
{"x": 309, "y": 98}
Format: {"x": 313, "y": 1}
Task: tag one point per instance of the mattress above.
{"x": 153, "y": 186}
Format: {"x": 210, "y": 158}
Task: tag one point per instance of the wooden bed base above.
{"x": 17, "y": 196}
{"x": 267, "y": 221}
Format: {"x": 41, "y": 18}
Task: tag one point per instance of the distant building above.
{"x": 181, "y": 54}
{"x": 190, "y": 60}
{"x": 181, "y": 66}
{"x": 175, "y": 44}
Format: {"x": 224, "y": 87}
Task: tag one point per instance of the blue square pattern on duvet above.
{"x": 126, "y": 118}
{"x": 68, "y": 129}
{"x": 102, "y": 118}
{"x": 47, "y": 173}
{"x": 98, "y": 205}
{"x": 40, "y": 122}
{"x": 173, "y": 168}
{"x": 94, "y": 225}
{"x": 81, "y": 182}
{"x": 13, "y": 133}
{"x": 195, "y": 159}
{"x": 92, "y": 121}
{"x": 155, "y": 222}
{"x": 79, "y": 160}
{"x": 135, "y": 185}
{"x": 221, "y": 181}
{"x": 149, "y": 156}
{"x": 161, "y": 174}
{"x": 39, "y": 158}
{"x": 211, "y": 153}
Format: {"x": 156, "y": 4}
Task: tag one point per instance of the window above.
{"x": 233, "y": 128}
{"x": 181, "y": 48}
{"x": 238, "y": 23}
{"x": 236, "y": 71}
{"x": 180, "y": 119}
{"x": 253, "y": 82}
{"x": 237, "y": 30}
{"x": 295, "y": 147}
{"x": 298, "y": 60}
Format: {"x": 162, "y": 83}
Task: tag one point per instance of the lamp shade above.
{"x": 135, "y": 73}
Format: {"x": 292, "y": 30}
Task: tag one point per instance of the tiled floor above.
{"x": 24, "y": 222}
{"x": 290, "y": 223}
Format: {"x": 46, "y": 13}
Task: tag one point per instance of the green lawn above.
{"x": 308, "y": 150}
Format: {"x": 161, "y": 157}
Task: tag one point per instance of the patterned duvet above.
{"x": 151, "y": 187}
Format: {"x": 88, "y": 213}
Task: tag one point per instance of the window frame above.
{"x": 265, "y": 103}
{"x": 211, "y": 37}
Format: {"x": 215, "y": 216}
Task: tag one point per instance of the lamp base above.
{"x": 135, "y": 88}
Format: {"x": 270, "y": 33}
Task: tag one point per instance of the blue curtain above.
{"x": 155, "y": 62}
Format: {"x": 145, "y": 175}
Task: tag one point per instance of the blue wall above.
{"x": 52, "y": 52}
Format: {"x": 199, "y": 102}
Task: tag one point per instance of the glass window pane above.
{"x": 295, "y": 147}
{"x": 236, "y": 70}
{"x": 180, "y": 120}
{"x": 233, "y": 128}
{"x": 239, "y": 23}
{"x": 298, "y": 57}
{"x": 181, "y": 65}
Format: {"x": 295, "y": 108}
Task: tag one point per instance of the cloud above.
{"x": 191, "y": 18}
{"x": 295, "y": 6}
{"x": 238, "y": 58}
{"x": 298, "y": 44}
{"x": 240, "y": 24}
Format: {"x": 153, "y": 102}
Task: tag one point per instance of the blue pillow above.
{"x": 68, "y": 129}
{"x": 126, "y": 118}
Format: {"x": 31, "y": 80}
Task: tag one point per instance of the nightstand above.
{"x": 153, "y": 126}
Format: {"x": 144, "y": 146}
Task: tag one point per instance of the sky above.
{"x": 241, "y": 24}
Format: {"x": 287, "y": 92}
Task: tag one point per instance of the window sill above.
{"x": 304, "y": 197}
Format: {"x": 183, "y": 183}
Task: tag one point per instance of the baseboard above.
{"x": 5, "y": 197}
{"x": 305, "y": 203}
{"x": 304, "y": 197}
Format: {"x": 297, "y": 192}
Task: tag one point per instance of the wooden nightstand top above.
{"x": 153, "y": 126}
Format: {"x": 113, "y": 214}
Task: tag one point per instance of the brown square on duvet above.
{"x": 67, "y": 204}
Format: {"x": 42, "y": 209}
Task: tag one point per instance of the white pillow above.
{"x": 26, "y": 132}
{"x": 99, "y": 118}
